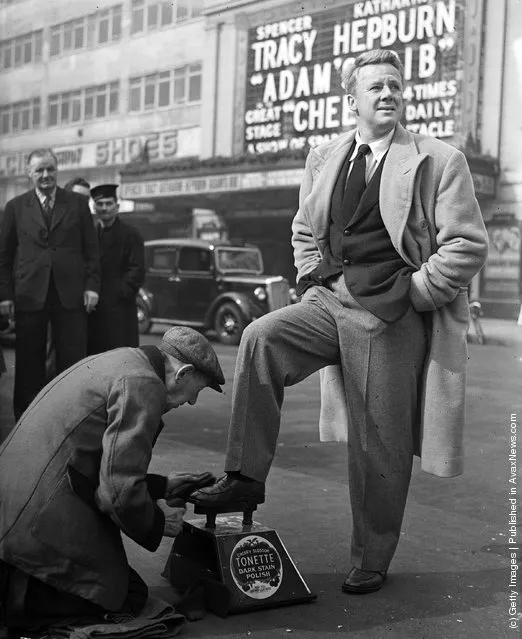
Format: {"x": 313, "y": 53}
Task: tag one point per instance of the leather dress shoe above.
{"x": 360, "y": 582}
{"x": 228, "y": 492}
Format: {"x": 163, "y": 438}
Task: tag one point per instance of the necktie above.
{"x": 356, "y": 183}
{"x": 47, "y": 211}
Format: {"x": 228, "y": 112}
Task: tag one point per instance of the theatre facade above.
{"x": 272, "y": 90}
{"x": 262, "y": 86}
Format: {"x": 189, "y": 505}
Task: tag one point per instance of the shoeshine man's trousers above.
{"x": 382, "y": 367}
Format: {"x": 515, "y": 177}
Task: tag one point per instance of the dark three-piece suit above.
{"x": 46, "y": 265}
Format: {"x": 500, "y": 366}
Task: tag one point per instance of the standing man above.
{"x": 49, "y": 272}
{"x": 387, "y": 237}
{"x": 122, "y": 260}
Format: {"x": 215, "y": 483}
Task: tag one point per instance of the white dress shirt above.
{"x": 377, "y": 151}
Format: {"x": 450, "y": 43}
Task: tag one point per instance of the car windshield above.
{"x": 239, "y": 260}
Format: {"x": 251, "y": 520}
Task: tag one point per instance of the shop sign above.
{"x": 294, "y": 96}
{"x": 151, "y": 147}
{"x": 78, "y": 156}
{"x": 211, "y": 184}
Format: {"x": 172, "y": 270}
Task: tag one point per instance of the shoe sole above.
{"x": 237, "y": 505}
{"x": 353, "y": 590}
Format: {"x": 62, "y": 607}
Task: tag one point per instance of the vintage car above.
{"x": 207, "y": 285}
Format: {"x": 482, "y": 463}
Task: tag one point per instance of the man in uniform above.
{"x": 115, "y": 322}
{"x": 73, "y": 477}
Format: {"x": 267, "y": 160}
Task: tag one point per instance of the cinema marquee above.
{"x": 294, "y": 96}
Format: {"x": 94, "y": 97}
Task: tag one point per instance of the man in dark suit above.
{"x": 122, "y": 260}
{"x": 49, "y": 272}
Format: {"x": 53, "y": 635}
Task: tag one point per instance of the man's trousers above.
{"x": 382, "y": 367}
{"x": 69, "y": 331}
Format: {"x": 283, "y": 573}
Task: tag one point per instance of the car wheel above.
{"x": 144, "y": 321}
{"x": 229, "y": 324}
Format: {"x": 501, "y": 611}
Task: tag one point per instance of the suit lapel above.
{"x": 60, "y": 208}
{"x": 34, "y": 210}
{"x": 397, "y": 185}
{"x": 319, "y": 200}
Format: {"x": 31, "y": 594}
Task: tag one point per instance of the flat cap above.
{"x": 192, "y": 347}
{"x": 104, "y": 190}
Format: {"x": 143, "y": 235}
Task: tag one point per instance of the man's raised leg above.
{"x": 277, "y": 350}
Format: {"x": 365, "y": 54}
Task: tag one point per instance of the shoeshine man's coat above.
{"x": 428, "y": 206}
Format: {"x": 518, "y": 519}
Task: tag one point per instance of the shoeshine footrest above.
{"x": 250, "y": 560}
{"x": 212, "y": 513}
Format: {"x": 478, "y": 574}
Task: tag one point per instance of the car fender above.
{"x": 148, "y": 299}
{"x": 246, "y": 305}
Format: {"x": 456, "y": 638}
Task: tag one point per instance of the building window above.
{"x": 79, "y": 33}
{"x": 168, "y": 88}
{"x": 179, "y": 85}
{"x": 152, "y": 16}
{"x": 21, "y": 116}
{"x": 167, "y": 13}
{"x": 7, "y": 59}
{"x": 55, "y": 40}
{"x": 182, "y": 10}
{"x": 194, "y": 82}
{"x": 138, "y": 16}
{"x": 38, "y": 40}
{"x": 150, "y": 92}
{"x": 99, "y": 28}
{"x": 76, "y": 106}
{"x": 5, "y": 119}
{"x": 109, "y": 25}
{"x": 85, "y": 104}
{"x": 164, "y": 89}
{"x": 135, "y": 94}
{"x": 148, "y": 15}
{"x": 25, "y": 49}
{"x": 65, "y": 108}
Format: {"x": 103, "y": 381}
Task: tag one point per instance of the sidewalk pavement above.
{"x": 499, "y": 332}
{"x": 449, "y": 578}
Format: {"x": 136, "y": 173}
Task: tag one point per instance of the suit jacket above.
{"x": 429, "y": 208}
{"x": 122, "y": 259}
{"x": 30, "y": 253}
{"x": 73, "y": 475}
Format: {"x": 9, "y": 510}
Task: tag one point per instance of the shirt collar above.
{"x": 106, "y": 227}
{"x": 42, "y": 196}
{"x": 377, "y": 147}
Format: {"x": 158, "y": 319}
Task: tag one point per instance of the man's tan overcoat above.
{"x": 429, "y": 208}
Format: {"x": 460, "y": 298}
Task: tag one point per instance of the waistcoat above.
{"x": 361, "y": 248}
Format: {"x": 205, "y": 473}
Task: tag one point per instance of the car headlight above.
{"x": 260, "y": 293}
